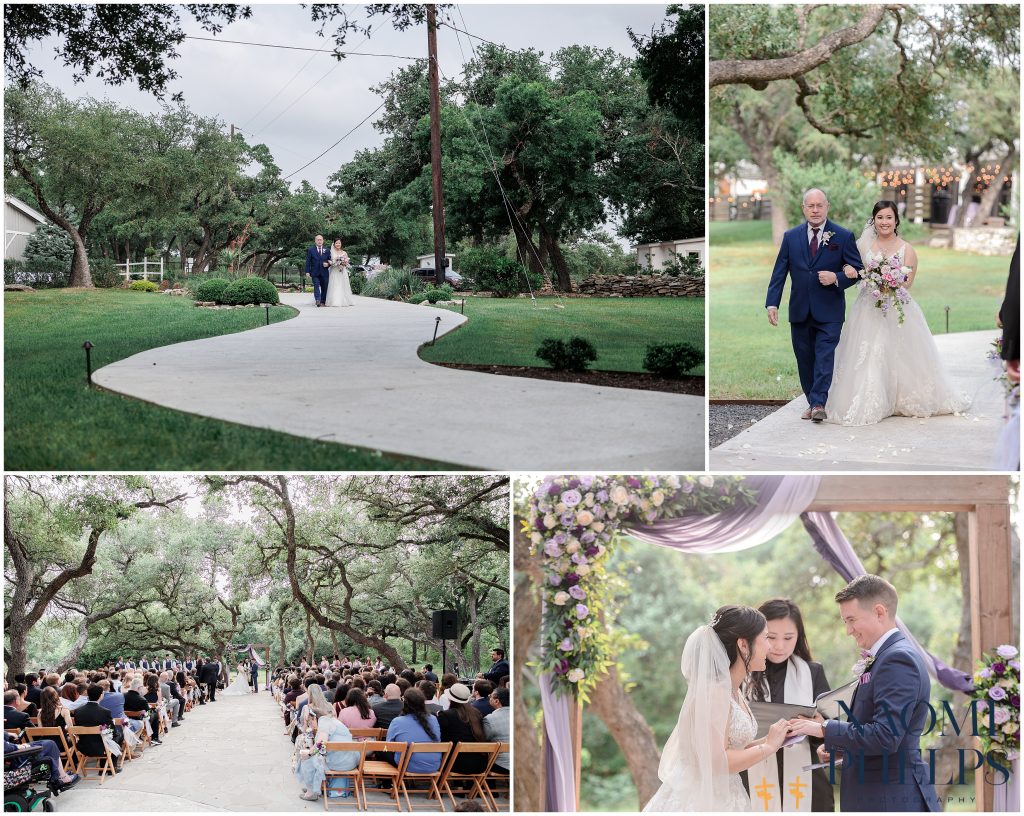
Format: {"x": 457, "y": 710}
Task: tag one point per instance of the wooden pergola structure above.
{"x": 986, "y": 500}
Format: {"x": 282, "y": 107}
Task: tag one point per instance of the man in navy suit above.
{"x": 880, "y": 742}
{"x": 813, "y": 255}
{"x": 318, "y": 258}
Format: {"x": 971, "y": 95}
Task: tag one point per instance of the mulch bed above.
{"x": 609, "y": 379}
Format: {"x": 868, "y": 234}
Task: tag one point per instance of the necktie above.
{"x": 814, "y": 241}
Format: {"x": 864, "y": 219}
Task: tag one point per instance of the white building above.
{"x": 20, "y": 221}
{"x": 654, "y": 256}
{"x": 427, "y": 261}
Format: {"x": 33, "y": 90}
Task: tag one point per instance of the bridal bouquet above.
{"x": 997, "y": 690}
{"x": 887, "y": 279}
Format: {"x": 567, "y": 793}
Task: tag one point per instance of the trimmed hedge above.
{"x": 143, "y": 286}
{"x": 250, "y": 290}
{"x": 576, "y": 355}
{"x": 672, "y": 359}
{"x": 212, "y": 289}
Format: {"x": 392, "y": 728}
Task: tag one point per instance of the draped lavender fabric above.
{"x": 835, "y": 548}
{"x": 780, "y": 501}
{"x": 560, "y": 772}
{"x": 1007, "y": 455}
{"x": 1006, "y": 798}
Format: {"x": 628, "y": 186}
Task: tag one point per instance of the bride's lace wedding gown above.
{"x": 240, "y": 684}
{"x": 339, "y": 289}
{"x": 742, "y": 730}
{"x": 886, "y": 369}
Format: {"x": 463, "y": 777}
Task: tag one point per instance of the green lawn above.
{"x": 751, "y": 360}
{"x": 55, "y": 422}
{"x": 502, "y": 331}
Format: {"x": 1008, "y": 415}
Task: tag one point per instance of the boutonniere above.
{"x": 826, "y": 236}
{"x": 860, "y": 668}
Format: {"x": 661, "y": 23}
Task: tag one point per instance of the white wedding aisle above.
{"x": 352, "y": 376}
{"x": 782, "y": 441}
{"x": 228, "y": 755}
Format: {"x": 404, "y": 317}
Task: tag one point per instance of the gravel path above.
{"x": 725, "y": 421}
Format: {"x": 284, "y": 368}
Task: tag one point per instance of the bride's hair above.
{"x": 885, "y": 204}
{"x": 779, "y": 609}
{"x": 733, "y": 623}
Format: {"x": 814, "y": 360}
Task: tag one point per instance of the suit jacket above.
{"x": 33, "y": 693}
{"x": 807, "y": 297}
{"x": 386, "y": 711}
{"x": 315, "y": 260}
{"x": 876, "y": 745}
{"x": 92, "y": 714}
{"x": 1009, "y": 312}
{"x": 497, "y": 671}
{"x": 210, "y": 673}
{"x": 15, "y": 719}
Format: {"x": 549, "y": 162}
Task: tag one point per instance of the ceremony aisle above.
{"x": 230, "y": 755}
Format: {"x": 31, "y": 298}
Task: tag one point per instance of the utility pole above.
{"x": 231, "y": 138}
{"x": 435, "y": 145}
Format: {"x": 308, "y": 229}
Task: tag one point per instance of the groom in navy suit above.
{"x": 813, "y": 255}
{"x": 317, "y": 260}
{"x": 880, "y": 742}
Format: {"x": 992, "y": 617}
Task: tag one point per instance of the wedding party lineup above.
{"x": 508, "y": 407}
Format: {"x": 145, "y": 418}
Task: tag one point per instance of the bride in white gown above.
{"x": 240, "y": 684}
{"x": 339, "y": 290}
{"x": 714, "y": 737}
{"x": 883, "y": 368}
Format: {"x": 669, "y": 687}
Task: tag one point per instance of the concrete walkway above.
{"x": 783, "y": 442}
{"x": 230, "y": 755}
{"x": 352, "y": 376}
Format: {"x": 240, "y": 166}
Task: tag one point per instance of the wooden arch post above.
{"x": 986, "y": 500}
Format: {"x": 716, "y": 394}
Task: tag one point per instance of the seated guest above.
{"x": 430, "y": 692}
{"x": 447, "y": 681}
{"x": 356, "y": 711}
{"x": 497, "y": 727}
{"x": 52, "y": 714}
{"x": 403, "y": 684}
{"x": 428, "y": 674}
{"x": 113, "y": 701}
{"x": 134, "y": 701}
{"x": 22, "y": 704}
{"x": 173, "y": 702}
{"x": 481, "y": 691}
{"x": 311, "y": 770}
{"x": 33, "y": 690}
{"x": 91, "y": 714}
{"x": 70, "y": 697}
{"x": 390, "y": 707}
{"x": 374, "y": 692}
{"x": 60, "y": 780}
{"x": 13, "y": 718}
{"x": 463, "y": 723}
{"x": 414, "y": 724}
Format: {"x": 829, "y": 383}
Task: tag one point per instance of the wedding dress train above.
{"x": 240, "y": 684}
{"x": 339, "y": 290}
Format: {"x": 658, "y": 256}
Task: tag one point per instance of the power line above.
{"x": 302, "y": 48}
{"x": 328, "y": 150}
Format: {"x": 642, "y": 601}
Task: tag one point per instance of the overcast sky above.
{"x": 253, "y": 87}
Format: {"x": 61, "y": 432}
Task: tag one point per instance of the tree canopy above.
{"x": 106, "y": 566}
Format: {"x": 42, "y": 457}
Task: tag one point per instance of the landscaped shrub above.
{"x": 357, "y": 280}
{"x": 143, "y": 286}
{"x": 47, "y": 259}
{"x": 442, "y": 292}
{"x": 576, "y": 355}
{"x": 492, "y": 271}
{"x": 105, "y": 274}
{"x": 687, "y": 266}
{"x": 418, "y": 298}
{"x": 393, "y": 284}
{"x": 672, "y": 359}
{"x": 211, "y": 289}
{"x": 250, "y": 290}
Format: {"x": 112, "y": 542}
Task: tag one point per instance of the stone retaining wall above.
{"x": 641, "y": 286}
{"x": 985, "y": 240}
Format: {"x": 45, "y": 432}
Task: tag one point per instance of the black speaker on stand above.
{"x": 446, "y": 627}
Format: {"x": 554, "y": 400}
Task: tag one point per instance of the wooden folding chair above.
{"x": 161, "y": 726}
{"x": 490, "y": 750}
{"x": 499, "y": 782}
{"x": 144, "y": 739}
{"x": 368, "y": 733}
{"x": 16, "y": 734}
{"x": 379, "y": 769}
{"x": 35, "y": 722}
{"x": 67, "y": 753}
{"x": 353, "y": 774}
{"x": 104, "y": 764}
{"x": 434, "y": 777}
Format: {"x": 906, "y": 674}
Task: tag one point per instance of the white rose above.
{"x": 560, "y": 599}
{"x": 707, "y": 481}
{"x": 560, "y": 507}
{"x": 619, "y": 495}
{"x": 536, "y": 538}
{"x": 572, "y": 547}
{"x": 582, "y": 570}
{"x": 645, "y": 505}
{"x": 597, "y": 526}
{"x": 575, "y": 675}
{"x": 657, "y": 498}
{"x": 584, "y": 517}
{"x": 588, "y": 500}
{"x": 550, "y": 521}
{"x": 672, "y": 481}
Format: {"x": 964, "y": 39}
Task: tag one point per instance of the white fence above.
{"x": 128, "y": 270}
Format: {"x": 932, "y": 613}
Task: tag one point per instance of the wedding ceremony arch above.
{"x": 572, "y": 523}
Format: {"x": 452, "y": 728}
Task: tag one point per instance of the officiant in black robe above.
{"x": 786, "y": 634}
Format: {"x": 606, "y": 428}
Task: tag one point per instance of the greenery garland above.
{"x": 572, "y": 523}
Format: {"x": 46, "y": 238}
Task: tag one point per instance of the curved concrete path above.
{"x": 782, "y": 441}
{"x": 353, "y": 376}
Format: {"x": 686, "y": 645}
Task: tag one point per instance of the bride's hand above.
{"x": 777, "y": 735}
{"x": 849, "y": 271}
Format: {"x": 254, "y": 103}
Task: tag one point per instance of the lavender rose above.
{"x": 996, "y": 692}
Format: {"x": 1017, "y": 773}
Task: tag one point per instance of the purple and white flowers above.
{"x": 997, "y": 691}
{"x": 886, "y": 280}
